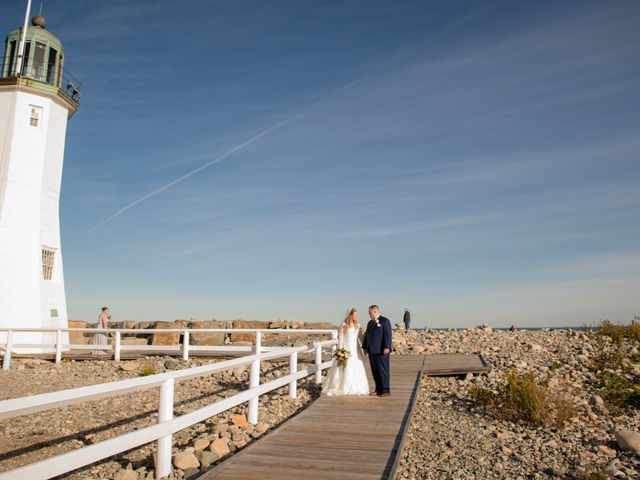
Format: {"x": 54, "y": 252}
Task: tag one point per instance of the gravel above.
{"x": 451, "y": 437}
{"x": 30, "y": 438}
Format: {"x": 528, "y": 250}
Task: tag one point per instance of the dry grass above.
{"x": 590, "y": 475}
{"x": 564, "y": 408}
{"x": 618, "y": 332}
{"x": 148, "y": 369}
{"x": 482, "y": 396}
{"x": 524, "y": 397}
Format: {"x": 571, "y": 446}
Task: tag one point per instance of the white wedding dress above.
{"x": 353, "y": 379}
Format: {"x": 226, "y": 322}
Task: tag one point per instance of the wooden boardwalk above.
{"x": 453, "y": 364}
{"x": 358, "y": 438}
{"x": 336, "y": 437}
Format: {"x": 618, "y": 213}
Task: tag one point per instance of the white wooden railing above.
{"x": 183, "y": 348}
{"x": 167, "y": 424}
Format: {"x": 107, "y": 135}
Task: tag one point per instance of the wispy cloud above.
{"x": 582, "y": 290}
{"x": 194, "y": 171}
{"x": 425, "y": 226}
{"x": 115, "y": 13}
{"x": 485, "y": 170}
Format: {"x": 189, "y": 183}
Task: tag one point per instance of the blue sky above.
{"x": 475, "y": 161}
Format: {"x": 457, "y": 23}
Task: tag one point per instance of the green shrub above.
{"x": 618, "y": 391}
{"x": 618, "y": 333}
{"x": 607, "y": 361}
{"x": 524, "y": 397}
{"x": 555, "y": 366}
{"x": 482, "y": 396}
{"x": 633, "y": 398}
{"x": 147, "y": 370}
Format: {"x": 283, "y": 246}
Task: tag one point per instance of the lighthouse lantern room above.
{"x": 37, "y": 97}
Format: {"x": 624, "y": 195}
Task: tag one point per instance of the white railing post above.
{"x": 318, "y": 362}
{"x": 58, "y": 345}
{"x": 165, "y": 414}
{"x": 293, "y": 368}
{"x": 254, "y": 381}
{"x": 116, "y": 347}
{"x": 185, "y": 345}
{"x": 7, "y": 352}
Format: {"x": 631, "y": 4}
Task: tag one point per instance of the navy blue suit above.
{"x": 377, "y": 338}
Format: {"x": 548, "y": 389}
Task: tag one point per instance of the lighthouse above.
{"x": 37, "y": 97}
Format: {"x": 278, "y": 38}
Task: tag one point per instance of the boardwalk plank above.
{"x": 454, "y": 364}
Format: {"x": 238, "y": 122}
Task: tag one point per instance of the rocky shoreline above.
{"x": 453, "y": 434}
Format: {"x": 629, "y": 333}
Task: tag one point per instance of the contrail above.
{"x": 196, "y": 170}
{"x": 346, "y": 86}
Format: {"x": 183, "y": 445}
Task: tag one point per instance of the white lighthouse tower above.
{"x": 37, "y": 97}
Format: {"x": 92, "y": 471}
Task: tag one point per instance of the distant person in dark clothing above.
{"x": 406, "y": 318}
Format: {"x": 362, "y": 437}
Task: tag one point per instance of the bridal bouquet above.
{"x": 342, "y": 357}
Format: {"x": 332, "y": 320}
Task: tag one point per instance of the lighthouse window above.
{"x": 60, "y": 63}
{"x": 38, "y": 60}
{"x": 47, "y": 263}
{"x": 9, "y": 66}
{"x": 51, "y": 67}
{"x": 25, "y": 61}
{"x": 35, "y": 115}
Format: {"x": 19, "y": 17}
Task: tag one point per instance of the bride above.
{"x": 352, "y": 379}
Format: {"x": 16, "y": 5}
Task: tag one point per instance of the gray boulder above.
{"x": 628, "y": 440}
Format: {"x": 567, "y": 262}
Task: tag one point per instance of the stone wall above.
{"x": 205, "y": 338}
{"x": 79, "y": 337}
{"x": 208, "y": 338}
{"x": 171, "y": 338}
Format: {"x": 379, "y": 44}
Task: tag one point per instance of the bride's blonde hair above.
{"x": 350, "y": 320}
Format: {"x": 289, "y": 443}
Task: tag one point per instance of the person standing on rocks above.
{"x": 377, "y": 344}
{"x": 101, "y": 338}
{"x": 406, "y": 318}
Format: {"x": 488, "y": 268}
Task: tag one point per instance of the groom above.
{"x": 377, "y": 344}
